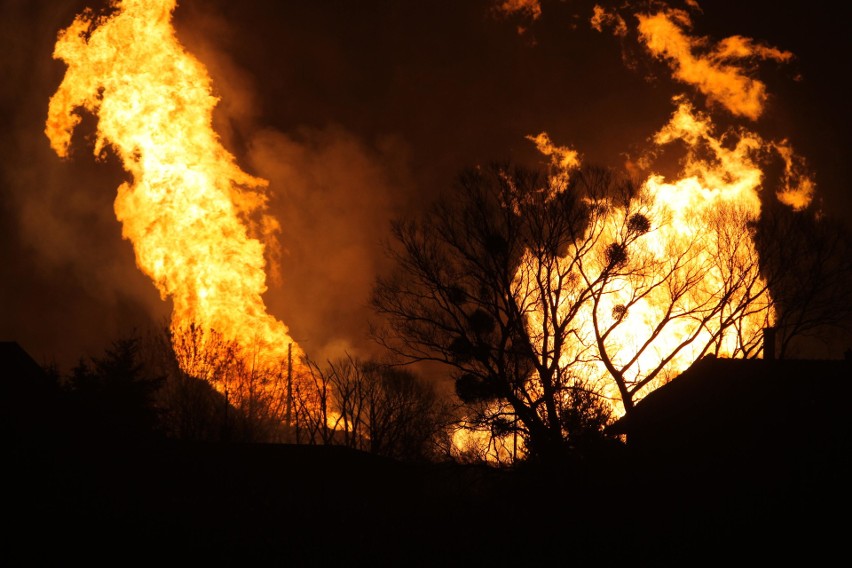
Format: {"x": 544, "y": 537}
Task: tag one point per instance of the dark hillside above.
{"x": 75, "y": 498}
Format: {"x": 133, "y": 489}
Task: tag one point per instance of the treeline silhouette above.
{"x": 96, "y": 473}
{"x": 167, "y": 385}
{"x": 99, "y": 472}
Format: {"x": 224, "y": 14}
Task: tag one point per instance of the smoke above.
{"x": 68, "y": 278}
{"x": 331, "y": 191}
{"x": 333, "y": 196}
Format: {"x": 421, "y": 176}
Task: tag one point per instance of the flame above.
{"x": 196, "y": 220}
{"x": 473, "y": 442}
{"x": 528, "y": 8}
{"x": 690, "y": 210}
{"x": 699, "y": 231}
{"x": 797, "y": 188}
{"x": 714, "y": 72}
{"x": 716, "y": 191}
{"x": 604, "y": 18}
{"x": 562, "y": 158}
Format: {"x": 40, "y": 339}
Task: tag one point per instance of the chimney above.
{"x": 768, "y": 343}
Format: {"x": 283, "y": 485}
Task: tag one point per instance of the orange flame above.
{"x": 529, "y": 8}
{"x": 196, "y": 220}
{"x": 712, "y": 71}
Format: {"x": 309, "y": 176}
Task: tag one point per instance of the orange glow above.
{"x": 798, "y": 187}
{"x": 529, "y": 8}
{"x": 196, "y": 220}
{"x": 471, "y": 442}
{"x": 562, "y": 158}
{"x": 603, "y": 18}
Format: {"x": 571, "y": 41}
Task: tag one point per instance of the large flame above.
{"x": 699, "y": 234}
{"x": 196, "y": 220}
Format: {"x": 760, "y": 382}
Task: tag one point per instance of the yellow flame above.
{"x": 472, "y": 442}
{"x": 729, "y": 180}
{"x": 716, "y": 191}
{"x": 196, "y": 220}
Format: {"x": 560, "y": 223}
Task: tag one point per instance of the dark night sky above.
{"x": 357, "y": 112}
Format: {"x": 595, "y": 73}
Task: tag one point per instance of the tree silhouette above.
{"x": 114, "y": 395}
{"x": 216, "y": 391}
{"x": 371, "y": 406}
{"x": 190, "y": 407}
{"x": 807, "y": 260}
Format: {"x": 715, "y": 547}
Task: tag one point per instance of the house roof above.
{"x": 721, "y": 388}
{"x": 15, "y": 361}
{"x": 21, "y": 377}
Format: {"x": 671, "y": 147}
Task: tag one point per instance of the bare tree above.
{"x": 701, "y": 293}
{"x": 216, "y": 391}
{"x": 406, "y": 417}
{"x": 806, "y": 258}
{"x": 373, "y": 407}
{"x": 190, "y": 407}
{"x": 482, "y": 286}
{"x": 311, "y": 404}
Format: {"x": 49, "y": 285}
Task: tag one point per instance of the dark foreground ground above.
{"x": 259, "y": 505}
{"x": 75, "y": 496}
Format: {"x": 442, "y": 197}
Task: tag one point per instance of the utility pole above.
{"x": 289, "y": 390}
